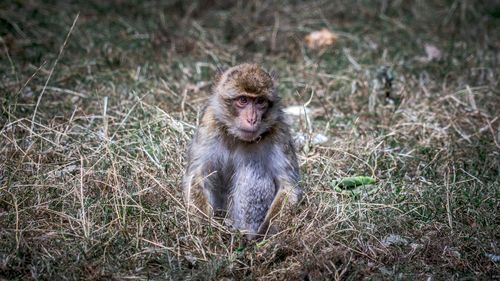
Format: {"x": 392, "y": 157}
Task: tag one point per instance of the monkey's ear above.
{"x": 218, "y": 73}
{"x": 220, "y": 69}
{"x": 274, "y": 75}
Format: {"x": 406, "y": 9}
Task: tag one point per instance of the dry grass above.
{"x": 93, "y": 132}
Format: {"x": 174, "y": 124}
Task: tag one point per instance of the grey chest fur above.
{"x": 252, "y": 189}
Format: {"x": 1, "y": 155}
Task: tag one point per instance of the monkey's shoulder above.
{"x": 208, "y": 122}
{"x": 282, "y": 136}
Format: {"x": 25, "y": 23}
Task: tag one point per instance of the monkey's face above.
{"x": 245, "y": 102}
{"x": 249, "y": 112}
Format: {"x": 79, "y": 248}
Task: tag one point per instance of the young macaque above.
{"x": 242, "y": 160}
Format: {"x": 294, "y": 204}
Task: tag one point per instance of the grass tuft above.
{"x": 93, "y": 129}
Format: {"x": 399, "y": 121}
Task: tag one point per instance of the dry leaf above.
{"x": 432, "y": 52}
{"x": 296, "y": 110}
{"x": 320, "y": 39}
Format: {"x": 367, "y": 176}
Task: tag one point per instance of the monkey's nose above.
{"x": 252, "y": 121}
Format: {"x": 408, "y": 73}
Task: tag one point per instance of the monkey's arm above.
{"x": 195, "y": 193}
{"x": 289, "y": 192}
{"x": 198, "y": 177}
{"x": 287, "y": 196}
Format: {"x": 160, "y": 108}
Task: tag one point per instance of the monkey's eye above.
{"x": 261, "y": 101}
{"x": 242, "y": 101}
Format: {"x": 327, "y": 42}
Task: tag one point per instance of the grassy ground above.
{"x": 95, "y": 118}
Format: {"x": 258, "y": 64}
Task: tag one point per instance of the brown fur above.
{"x": 252, "y": 176}
{"x": 246, "y": 78}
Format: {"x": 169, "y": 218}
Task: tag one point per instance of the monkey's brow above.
{"x": 251, "y": 95}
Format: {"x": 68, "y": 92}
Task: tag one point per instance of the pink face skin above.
{"x": 250, "y": 111}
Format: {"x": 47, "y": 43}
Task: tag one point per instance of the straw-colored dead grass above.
{"x": 90, "y": 169}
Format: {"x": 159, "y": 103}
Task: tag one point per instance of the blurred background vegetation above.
{"x": 94, "y": 119}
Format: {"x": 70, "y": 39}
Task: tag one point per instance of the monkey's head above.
{"x": 245, "y": 101}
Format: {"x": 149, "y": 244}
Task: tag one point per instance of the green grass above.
{"x": 90, "y": 179}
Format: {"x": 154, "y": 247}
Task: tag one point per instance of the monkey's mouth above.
{"x": 248, "y": 135}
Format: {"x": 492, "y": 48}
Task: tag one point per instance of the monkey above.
{"x": 241, "y": 160}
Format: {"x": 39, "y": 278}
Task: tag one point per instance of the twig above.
{"x": 66, "y": 91}
{"x": 13, "y": 67}
{"x": 275, "y": 30}
{"x": 52, "y": 71}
